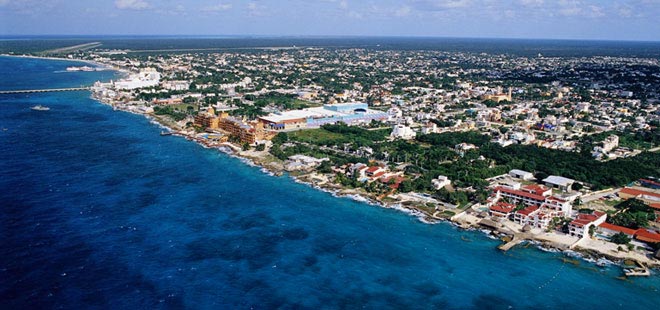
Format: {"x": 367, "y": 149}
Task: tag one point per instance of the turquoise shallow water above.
{"x": 100, "y": 211}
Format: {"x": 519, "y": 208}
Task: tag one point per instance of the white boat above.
{"x": 40, "y": 108}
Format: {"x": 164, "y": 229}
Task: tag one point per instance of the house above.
{"x": 502, "y": 209}
{"x": 528, "y": 195}
{"x": 580, "y": 225}
{"x": 520, "y": 174}
{"x": 646, "y": 196}
{"x": 403, "y": 132}
{"x": 561, "y": 183}
{"x": 440, "y": 182}
{"x": 358, "y": 170}
{"x": 525, "y": 215}
{"x": 302, "y": 162}
{"x": 648, "y": 236}
{"x": 608, "y": 230}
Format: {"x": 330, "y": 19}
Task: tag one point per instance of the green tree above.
{"x": 620, "y": 238}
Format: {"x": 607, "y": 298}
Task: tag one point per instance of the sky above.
{"x": 558, "y": 19}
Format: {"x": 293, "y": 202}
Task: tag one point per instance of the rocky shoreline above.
{"x": 275, "y": 167}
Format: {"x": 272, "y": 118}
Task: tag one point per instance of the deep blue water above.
{"x": 97, "y": 210}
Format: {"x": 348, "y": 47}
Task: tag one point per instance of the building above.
{"x": 440, "y": 182}
{"x": 145, "y": 78}
{"x": 648, "y": 236}
{"x": 650, "y": 183}
{"x": 349, "y": 113}
{"x": 403, "y": 132}
{"x": 168, "y": 101}
{"x": 207, "y": 119}
{"x": 539, "y": 217}
{"x": 302, "y": 162}
{"x": 580, "y": 225}
{"x": 501, "y": 209}
{"x": 561, "y": 183}
{"x": 610, "y": 143}
{"x": 429, "y": 128}
{"x": 236, "y": 128}
{"x": 520, "y": 174}
{"x": 607, "y": 230}
{"x": 540, "y": 207}
{"x": 647, "y": 197}
{"x": 499, "y": 96}
{"x": 530, "y": 195}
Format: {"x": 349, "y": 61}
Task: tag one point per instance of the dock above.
{"x": 47, "y": 90}
{"x": 507, "y": 246}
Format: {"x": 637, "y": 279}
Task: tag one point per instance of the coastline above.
{"x": 103, "y": 66}
{"x": 276, "y": 169}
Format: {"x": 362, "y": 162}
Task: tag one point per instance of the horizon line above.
{"x": 324, "y": 36}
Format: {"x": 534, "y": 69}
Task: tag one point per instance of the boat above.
{"x": 165, "y": 133}
{"x": 83, "y": 68}
{"x": 40, "y": 108}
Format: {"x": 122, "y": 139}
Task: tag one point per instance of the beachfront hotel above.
{"x": 349, "y": 113}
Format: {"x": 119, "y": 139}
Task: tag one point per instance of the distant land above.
{"x": 520, "y": 47}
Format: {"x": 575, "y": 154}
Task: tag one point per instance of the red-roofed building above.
{"x": 523, "y": 216}
{"x": 608, "y": 230}
{"x": 534, "y": 196}
{"x": 371, "y": 171}
{"x": 395, "y": 180}
{"x": 627, "y": 193}
{"x": 648, "y": 236}
{"x": 502, "y": 209}
{"x": 519, "y": 196}
{"x": 580, "y": 225}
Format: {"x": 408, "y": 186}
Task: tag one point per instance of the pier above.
{"x": 47, "y": 90}
{"x": 507, "y": 246}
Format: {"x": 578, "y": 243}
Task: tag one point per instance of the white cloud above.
{"x": 596, "y": 11}
{"x": 532, "y": 3}
{"x": 255, "y": 9}
{"x": 131, "y": 4}
{"x": 402, "y": 11}
{"x": 441, "y": 5}
{"x": 218, "y": 7}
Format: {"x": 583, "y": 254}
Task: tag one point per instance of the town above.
{"x": 559, "y": 150}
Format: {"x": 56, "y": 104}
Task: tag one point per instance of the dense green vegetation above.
{"x": 283, "y": 101}
{"x": 634, "y": 140}
{"x": 170, "y": 111}
{"x": 620, "y": 238}
{"x": 578, "y": 166}
{"x": 633, "y": 213}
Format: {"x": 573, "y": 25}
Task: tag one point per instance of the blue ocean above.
{"x": 97, "y": 210}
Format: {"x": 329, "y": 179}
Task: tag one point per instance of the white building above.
{"x": 440, "y": 182}
{"x": 561, "y": 183}
{"x": 520, "y": 174}
{"x": 403, "y": 132}
{"x": 146, "y": 78}
{"x": 610, "y": 143}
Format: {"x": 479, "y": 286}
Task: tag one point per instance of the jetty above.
{"x": 46, "y": 90}
{"x": 507, "y": 246}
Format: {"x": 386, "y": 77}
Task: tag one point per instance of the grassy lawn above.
{"x": 301, "y": 104}
{"x": 317, "y": 136}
